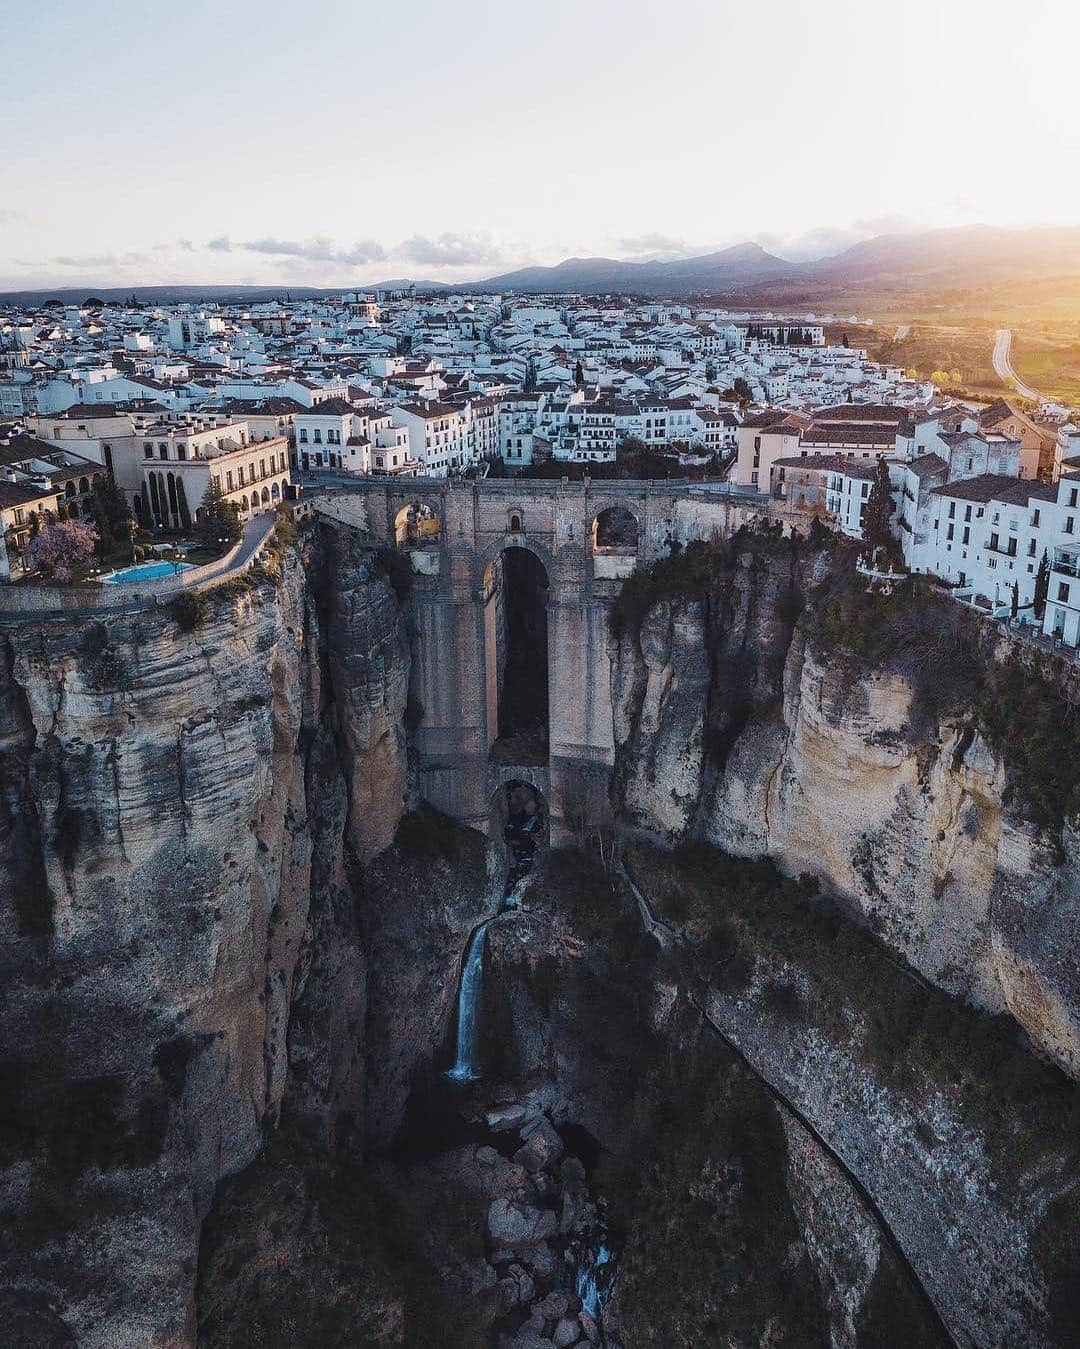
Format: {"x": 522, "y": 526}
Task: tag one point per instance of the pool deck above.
{"x": 20, "y": 601}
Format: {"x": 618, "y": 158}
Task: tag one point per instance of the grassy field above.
{"x": 953, "y": 332}
{"x": 1047, "y": 356}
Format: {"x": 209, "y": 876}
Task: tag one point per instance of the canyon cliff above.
{"x": 233, "y": 947}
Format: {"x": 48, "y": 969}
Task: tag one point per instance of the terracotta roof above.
{"x": 927, "y": 465}
{"x": 984, "y": 488}
{"x": 830, "y": 463}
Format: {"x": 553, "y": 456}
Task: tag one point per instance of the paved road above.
{"x": 1004, "y": 368}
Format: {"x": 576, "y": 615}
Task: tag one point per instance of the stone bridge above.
{"x": 457, "y": 535}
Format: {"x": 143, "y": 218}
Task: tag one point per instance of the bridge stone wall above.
{"x": 453, "y": 664}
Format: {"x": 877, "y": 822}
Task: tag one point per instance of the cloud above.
{"x": 318, "y": 250}
{"x": 449, "y": 250}
{"x": 100, "y": 260}
{"x": 11, "y": 215}
{"x": 826, "y": 240}
{"x": 653, "y": 243}
{"x": 220, "y": 245}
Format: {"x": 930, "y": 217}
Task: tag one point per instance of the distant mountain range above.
{"x": 944, "y": 259}
{"x": 963, "y": 258}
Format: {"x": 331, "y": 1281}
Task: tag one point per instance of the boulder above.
{"x": 542, "y": 1147}
{"x": 515, "y": 1224}
{"x": 567, "y": 1332}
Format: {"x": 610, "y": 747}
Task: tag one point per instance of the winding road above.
{"x": 1004, "y": 369}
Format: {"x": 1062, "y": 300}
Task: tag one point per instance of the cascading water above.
{"x": 521, "y": 835}
{"x": 595, "y": 1278}
{"x": 465, "y": 1064}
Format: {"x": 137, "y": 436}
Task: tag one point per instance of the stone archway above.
{"x": 516, "y": 586}
{"x": 520, "y": 818}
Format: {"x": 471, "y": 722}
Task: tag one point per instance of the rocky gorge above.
{"x": 781, "y": 1051}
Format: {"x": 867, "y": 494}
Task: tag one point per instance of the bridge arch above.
{"x": 616, "y": 528}
{"x": 417, "y": 522}
{"x": 515, "y": 595}
{"x": 520, "y": 818}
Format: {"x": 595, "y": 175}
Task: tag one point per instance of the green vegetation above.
{"x": 697, "y": 571}
{"x": 427, "y": 835}
{"x": 189, "y": 609}
{"x": 689, "y": 573}
{"x": 697, "y": 1197}
{"x": 349, "y": 1248}
{"x": 219, "y": 518}
{"x": 397, "y": 569}
{"x": 1037, "y": 732}
{"x": 914, "y": 1034}
{"x": 946, "y": 653}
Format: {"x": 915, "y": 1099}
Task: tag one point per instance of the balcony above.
{"x": 1067, "y": 560}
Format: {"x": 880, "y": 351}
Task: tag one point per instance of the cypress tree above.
{"x": 877, "y": 513}
{"x": 1042, "y": 586}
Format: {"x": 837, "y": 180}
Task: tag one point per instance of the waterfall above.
{"x": 595, "y": 1278}
{"x": 465, "y": 1066}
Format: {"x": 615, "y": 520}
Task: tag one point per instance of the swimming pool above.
{"x": 144, "y": 571}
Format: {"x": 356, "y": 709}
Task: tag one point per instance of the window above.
{"x": 303, "y": 435}
{"x": 318, "y": 436}
{"x": 1069, "y": 522}
{"x": 148, "y": 451}
{"x": 163, "y": 452}
{"x": 1035, "y": 516}
{"x": 181, "y": 451}
{"x": 1072, "y": 497}
{"x": 1063, "y": 591}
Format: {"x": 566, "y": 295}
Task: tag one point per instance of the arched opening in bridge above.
{"x": 519, "y": 817}
{"x": 516, "y": 655}
{"x": 416, "y": 525}
{"x": 615, "y": 530}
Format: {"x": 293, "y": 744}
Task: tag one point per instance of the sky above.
{"x": 341, "y": 141}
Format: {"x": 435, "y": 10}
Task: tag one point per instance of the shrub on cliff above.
{"x": 688, "y": 573}
{"x": 1037, "y": 732}
{"x": 427, "y": 835}
{"x": 911, "y": 1033}
{"x": 189, "y": 610}
{"x": 397, "y": 569}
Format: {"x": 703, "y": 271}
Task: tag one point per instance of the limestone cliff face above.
{"x": 732, "y": 728}
{"x": 178, "y": 813}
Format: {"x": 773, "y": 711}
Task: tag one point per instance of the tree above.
{"x": 1014, "y": 606}
{"x": 743, "y": 391}
{"x": 61, "y": 547}
{"x": 108, "y": 508}
{"x": 877, "y": 513}
{"x": 218, "y": 518}
{"x": 579, "y": 375}
{"x": 1042, "y": 587}
{"x": 845, "y": 341}
{"x": 181, "y": 504}
{"x": 710, "y": 373}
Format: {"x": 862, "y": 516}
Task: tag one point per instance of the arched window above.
{"x": 515, "y": 523}
{"x": 244, "y": 504}
{"x": 275, "y": 491}
{"x": 615, "y": 530}
{"x": 84, "y": 484}
{"x": 266, "y": 496}
{"x": 416, "y": 525}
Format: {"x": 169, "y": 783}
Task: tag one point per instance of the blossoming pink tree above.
{"x": 60, "y": 547}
